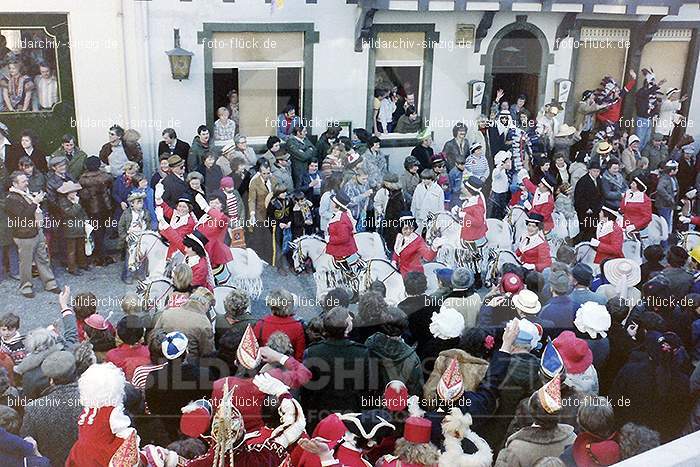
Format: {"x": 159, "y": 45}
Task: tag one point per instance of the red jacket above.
{"x": 474, "y": 223}
{"x": 535, "y": 251}
{"x": 408, "y": 256}
{"x": 542, "y": 203}
{"x": 96, "y": 443}
{"x": 636, "y": 210}
{"x": 129, "y": 357}
{"x": 613, "y": 113}
{"x": 288, "y": 325}
{"x": 200, "y": 270}
{"x": 214, "y": 228}
{"x": 341, "y": 242}
{"x": 178, "y": 232}
{"x": 611, "y": 239}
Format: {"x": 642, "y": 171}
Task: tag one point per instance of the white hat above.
{"x": 566, "y": 130}
{"x": 527, "y": 301}
{"x": 593, "y": 318}
{"x": 501, "y": 157}
{"x": 632, "y": 139}
{"x": 622, "y": 272}
{"x": 447, "y": 323}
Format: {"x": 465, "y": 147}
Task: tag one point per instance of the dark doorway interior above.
{"x": 225, "y": 79}
{"x": 288, "y": 88}
{"x": 517, "y": 62}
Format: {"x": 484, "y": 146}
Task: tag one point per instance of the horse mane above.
{"x": 162, "y": 239}
{"x": 312, "y": 236}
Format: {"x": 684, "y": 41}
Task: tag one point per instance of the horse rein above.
{"x": 140, "y": 258}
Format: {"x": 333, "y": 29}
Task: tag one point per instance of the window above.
{"x": 267, "y": 71}
{"x": 398, "y": 79}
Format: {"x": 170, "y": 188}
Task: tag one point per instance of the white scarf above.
{"x": 604, "y": 228}
{"x": 634, "y": 197}
{"x": 540, "y": 198}
{"x": 402, "y": 242}
{"x": 528, "y": 242}
{"x": 178, "y": 221}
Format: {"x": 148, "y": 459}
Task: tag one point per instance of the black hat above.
{"x": 474, "y": 184}
{"x": 582, "y": 274}
{"x": 549, "y": 181}
{"x": 92, "y": 163}
{"x": 534, "y": 217}
{"x": 594, "y": 164}
{"x": 341, "y": 200}
{"x": 185, "y": 199}
{"x": 641, "y": 182}
{"x": 610, "y": 211}
{"x": 196, "y": 240}
{"x": 407, "y": 218}
{"x": 586, "y": 94}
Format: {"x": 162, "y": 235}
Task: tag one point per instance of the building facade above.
{"x": 326, "y": 57}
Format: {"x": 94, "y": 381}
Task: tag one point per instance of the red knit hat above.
{"x": 395, "y": 396}
{"x": 417, "y": 430}
{"x": 511, "y": 283}
{"x": 226, "y": 182}
{"x": 575, "y": 352}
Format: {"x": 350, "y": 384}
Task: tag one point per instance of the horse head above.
{"x": 298, "y": 256}
{"x": 133, "y": 253}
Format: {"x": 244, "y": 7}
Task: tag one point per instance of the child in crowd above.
{"x": 409, "y": 178}
{"x": 11, "y": 341}
{"x": 302, "y": 215}
{"x": 134, "y": 219}
{"x": 131, "y": 353}
{"x": 279, "y": 219}
{"x": 74, "y": 222}
{"x": 455, "y": 177}
{"x": 212, "y": 174}
{"x": 441, "y": 178}
{"x": 149, "y": 203}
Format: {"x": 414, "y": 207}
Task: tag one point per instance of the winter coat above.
{"x": 329, "y": 389}
{"x": 257, "y": 194}
{"x": 576, "y": 171}
{"x": 522, "y": 379}
{"x": 212, "y": 179}
{"x": 52, "y": 420}
{"x": 74, "y": 218}
{"x": 397, "y": 361}
{"x": 532, "y": 443}
{"x": 409, "y": 257}
{"x": 192, "y": 322}
{"x": 559, "y": 310}
{"x": 424, "y": 156}
{"x": 132, "y": 150}
{"x": 181, "y": 149}
{"x": 96, "y": 194}
{"x": 656, "y": 397}
{"x": 473, "y": 370}
{"x": 125, "y": 223}
{"x": 302, "y": 152}
{"x": 341, "y": 241}
{"x": 53, "y": 183}
{"x": 289, "y": 325}
{"x": 284, "y": 176}
{"x": 76, "y": 163}
{"x": 467, "y": 303}
{"x": 419, "y": 310}
{"x": 452, "y": 150}
{"x": 666, "y": 192}
{"x": 613, "y": 188}
{"x": 588, "y": 195}
{"x": 21, "y": 215}
{"x": 173, "y": 188}
{"x": 16, "y": 452}
{"x": 195, "y": 156}
{"x": 657, "y": 157}
{"x": 426, "y": 200}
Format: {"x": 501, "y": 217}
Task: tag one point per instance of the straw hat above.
{"x": 622, "y": 272}
{"x": 566, "y": 130}
{"x": 69, "y": 187}
{"x": 527, "y": 302}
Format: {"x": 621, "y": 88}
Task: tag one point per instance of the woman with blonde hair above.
{"x": 224, "y": 127}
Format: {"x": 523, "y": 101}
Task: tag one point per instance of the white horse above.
{"x": 430, "y": 276}
{"x": 631, "y": 248}
{"x": 369, "y": 246}
{"x": 446, "y": 225}
{"x": 154, "y": 294}
{"x": 495, "y": 264}
{"x": 243, "y": 272}
{"x": 656, "y": 231}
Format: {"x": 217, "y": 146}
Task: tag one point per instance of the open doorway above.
{"x": 517, "y": 63}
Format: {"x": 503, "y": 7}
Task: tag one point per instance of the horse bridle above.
{"x": 139, "y": 259}
{"x": 300, "y": 254}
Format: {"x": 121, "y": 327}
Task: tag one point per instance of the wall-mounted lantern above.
{"x": 562, "y": 90}
{"x": 180, "y": 59}
{"x": 475, "y": 93}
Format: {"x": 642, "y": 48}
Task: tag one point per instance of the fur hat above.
{"x": 456, "y": 430}
{"x": 102, "y": 385}
{"x": 446, "y": 324}
{"x": 593, "y": 319}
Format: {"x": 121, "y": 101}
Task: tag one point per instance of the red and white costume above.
{"x": 534, "y": 252}
{"x": 341, "y": 242}
{"x": 180, "y": 227}
{"x": 610, "y": 236}
{"x": 636, "y": 210}
{"x": 474, "y": 221}
{"x": 199, "y": 265}
{"x": 542, "y": 204}
{"x": 409, "y": 251}
{"x": 213, "y": 225}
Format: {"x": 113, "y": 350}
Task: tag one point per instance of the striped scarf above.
{"x": 232, "y": 206}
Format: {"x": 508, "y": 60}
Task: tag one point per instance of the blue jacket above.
{"x": 14, "y": 451}
{"x": 284, "y": 129}
{"x": 455, "y": 177}
{"x": 581, "y": 296}
{"x": 560, "y": 311}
